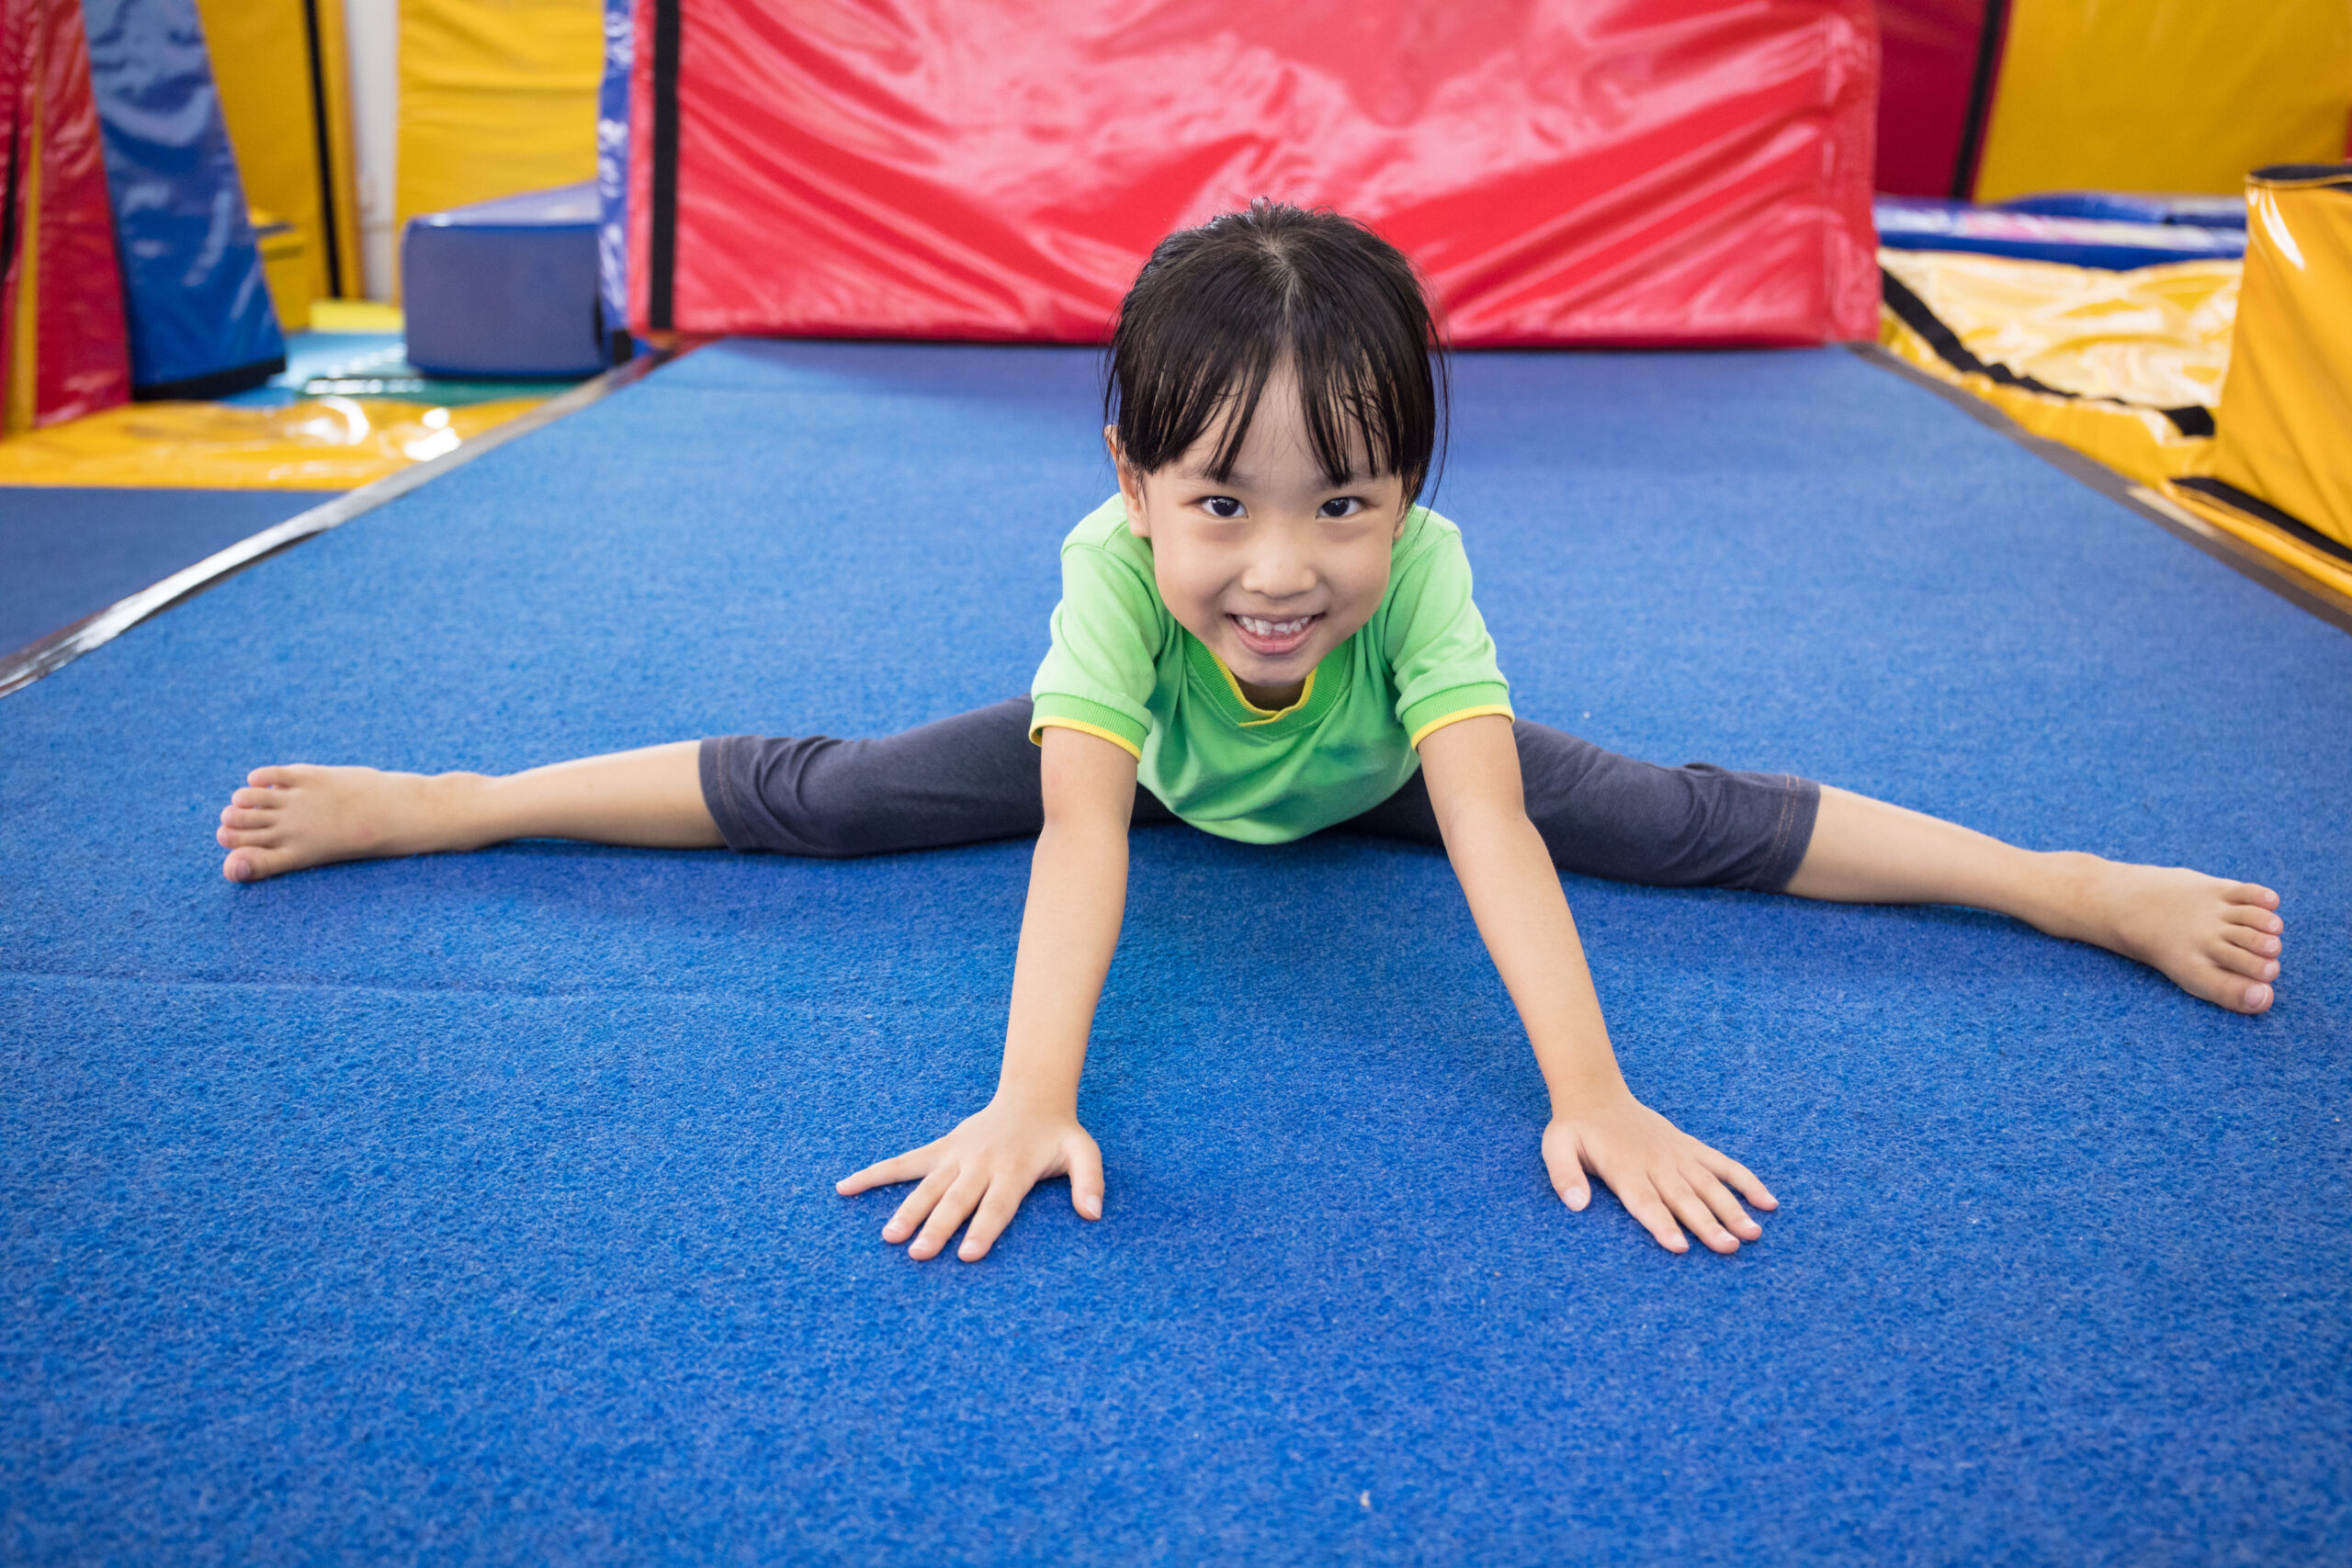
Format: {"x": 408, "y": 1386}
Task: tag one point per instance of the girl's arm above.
{"x": 1077, "y": 895}
{"x": 1660, "y": 1173}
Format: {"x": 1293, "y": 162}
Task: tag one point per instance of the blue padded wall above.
{"x": 202, "y": 323}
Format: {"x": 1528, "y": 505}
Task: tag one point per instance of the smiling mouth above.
{"x": 1271, "y": 638}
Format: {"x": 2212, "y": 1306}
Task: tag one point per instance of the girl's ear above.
{"x": 1130, "y": 485}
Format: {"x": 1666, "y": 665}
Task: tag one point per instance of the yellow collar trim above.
{"x": 1266, "y": 716}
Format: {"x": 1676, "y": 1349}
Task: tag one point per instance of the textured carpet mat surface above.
{"x": 480, "y": 1207}
{"x": 65, "y": 554}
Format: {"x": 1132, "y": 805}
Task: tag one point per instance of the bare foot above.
{"x": 2216, "y": 940}
{"x": 289, "y": 818}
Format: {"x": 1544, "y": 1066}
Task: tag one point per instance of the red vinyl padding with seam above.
{"x": 65, "y": 232}
{"x": 1637, "y": 172}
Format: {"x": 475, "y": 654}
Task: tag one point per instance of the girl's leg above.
{"x": 1603, "y": 814}
{"x": 961, "y": 780}
{"x": 298, "y": 815}
{"x": 2217, "y": 940}
{"x": 1607, "y": 815}
{"x": 964, "y": 779}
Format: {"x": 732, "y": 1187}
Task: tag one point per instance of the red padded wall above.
{"x": 84, "y": 354}
{"x": 1563, "y": 171}
{"x": 1927, "y": 89}
{"x": 81, "y": 354}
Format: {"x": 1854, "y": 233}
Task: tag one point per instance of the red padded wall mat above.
{"x": 82, "y": 361}
{"x": 1638, "y": 172}
{"x": 1939, "y": 60}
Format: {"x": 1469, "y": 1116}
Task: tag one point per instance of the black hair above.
{"x": 1217, "y": 309}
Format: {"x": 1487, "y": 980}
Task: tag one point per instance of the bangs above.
{"x": 1219, "y": 311}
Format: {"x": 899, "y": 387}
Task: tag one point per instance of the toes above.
{"x": 251, "y": 797}
{"x": 2250, "y": 893}
{"x": 274, "y": 777}
{"x": 247, "y": 817}
{"x": 2238, "y": 961}
{"x": 2252, "y": 918}
{"x": 2236, "y": 992}
{"x": 249, "y": 865}
{"x": 2260, "y": 943}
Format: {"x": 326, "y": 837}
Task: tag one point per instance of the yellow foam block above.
{"x": 286, "y": 266}
{"x": 316, "y": 443}
{"x": 356, "y": 316}
{"x": 268, "y": 83}
{"x": 497, "y": 97}
{"x": 2286, "y": 419}
{"x": 2163, "y": 94}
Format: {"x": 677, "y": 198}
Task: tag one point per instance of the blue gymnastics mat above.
{"x": 67, "y": 553}
{"x": 480, "y": 1207}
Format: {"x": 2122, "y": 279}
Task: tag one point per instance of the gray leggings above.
{"x": 975, "y": 776}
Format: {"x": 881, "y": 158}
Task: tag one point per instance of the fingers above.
{"x": 980, "y": 1173}
{"x": 1085, "y": 1178}
{"x": 1574, "y": 1187}
{"x": 1740, "y": 1176}
{"x": 1692, "y": 1210}
{"x": 1642, "y": 1202}
{"x": 955, "y": 1206}
{"x": 1721, "y": 1203}
{"x": 996, "y": 1211}
{"x": 916, "y": 1204}
{"x": 911, "y": 1165}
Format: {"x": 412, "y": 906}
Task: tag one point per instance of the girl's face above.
{"x": 1275, "y": 567}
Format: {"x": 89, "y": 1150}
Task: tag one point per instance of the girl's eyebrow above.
{"x": 1242, "y": 479}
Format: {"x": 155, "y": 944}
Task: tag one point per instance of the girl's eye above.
{"x": 1341, "y": 506}
{"x": 1222, "y": 506}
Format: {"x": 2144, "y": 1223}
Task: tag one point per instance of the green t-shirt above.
{"x": 1122, "y": 668}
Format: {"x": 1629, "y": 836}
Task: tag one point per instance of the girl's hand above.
{"x": 981, "y": 1171}
{"x": 1659, "y": 1172}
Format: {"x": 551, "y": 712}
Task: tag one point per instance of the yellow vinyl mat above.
{"x": 2089, "y": 358}
{"x": 2269, "y": 539}
{"x": 330, "y": 442}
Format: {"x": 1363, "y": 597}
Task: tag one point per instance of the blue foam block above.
{"x": 1922, "y": 223}
{"x": 2130, "y": 206}
{"x": 506, "y": 288}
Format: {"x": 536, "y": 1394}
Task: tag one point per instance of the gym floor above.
{"x": 481, "y": 1205}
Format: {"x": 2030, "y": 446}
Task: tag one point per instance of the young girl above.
{"x": 1262, "y": 636}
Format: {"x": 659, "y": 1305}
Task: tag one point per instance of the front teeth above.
{"x": 1257, "y": 627}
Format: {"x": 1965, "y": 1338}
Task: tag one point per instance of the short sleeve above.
{"x": 1435, "y": 641}
{"x": 1098, "y": 676}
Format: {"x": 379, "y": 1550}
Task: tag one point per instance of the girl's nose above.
{"x": 1279, "y": 574}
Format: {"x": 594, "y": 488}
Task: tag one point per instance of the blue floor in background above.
{"x": 65, "y": 554}
{"x": 480, "y": 1207}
